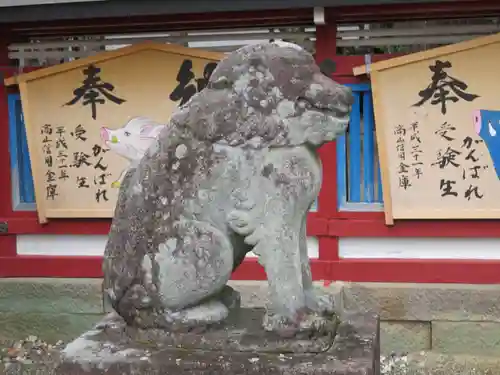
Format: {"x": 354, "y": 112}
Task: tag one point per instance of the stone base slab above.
{"x": 239, "y": 346}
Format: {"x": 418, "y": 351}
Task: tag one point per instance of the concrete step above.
{"x": 435, "y": 363}
{"x": 447, "y": 318}
{"x": 425, "y": 302}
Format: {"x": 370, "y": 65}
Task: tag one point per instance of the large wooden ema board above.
{"x": 437, "y": 116}
{"x": 86, "y": 120}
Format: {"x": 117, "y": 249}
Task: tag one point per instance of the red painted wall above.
{"x": 7, "y": 241}
{"x": 328, "y": 224}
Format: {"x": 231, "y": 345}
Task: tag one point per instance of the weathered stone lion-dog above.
{"x": 235, "y": 170}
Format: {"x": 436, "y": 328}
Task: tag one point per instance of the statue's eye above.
{"x": 127, "y": 134}
{"x": 220, "y": 84}
{"x": 304, "y": 103}
{"x": 328, "y": 67}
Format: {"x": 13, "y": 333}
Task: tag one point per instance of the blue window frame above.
{"x": 23, "y": 193}
{"x": 358, "y": 172}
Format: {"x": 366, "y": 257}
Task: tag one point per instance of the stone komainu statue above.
{"x": 236, "y": 170}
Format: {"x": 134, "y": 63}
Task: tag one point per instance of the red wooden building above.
{"x": 348, "y": 237}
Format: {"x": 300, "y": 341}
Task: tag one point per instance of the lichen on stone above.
{"x": 234, "y": 171}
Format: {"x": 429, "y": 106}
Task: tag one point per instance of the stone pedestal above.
{"x": 238, "y": 346}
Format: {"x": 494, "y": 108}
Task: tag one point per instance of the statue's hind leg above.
{"x": 193, "y": 269}
{"x": 210, "y": 311}
{"x": 198, "y": 317}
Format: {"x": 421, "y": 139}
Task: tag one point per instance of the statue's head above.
{"x": 269, "y": 94}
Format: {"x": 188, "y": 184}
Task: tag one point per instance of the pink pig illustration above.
{"x": 131, "y": 141}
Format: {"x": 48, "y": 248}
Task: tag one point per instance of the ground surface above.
{"x": 33, "y": 356}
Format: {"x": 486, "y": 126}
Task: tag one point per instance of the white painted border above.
{"x": 349, "y": 248}
{"x": 17, "y": 205}
{"x": 419, "y": 248}
{"x": 89, "y": 245}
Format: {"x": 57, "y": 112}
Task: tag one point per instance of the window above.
{"x": 23, "y": 194}
{"x": 358, "y": 173}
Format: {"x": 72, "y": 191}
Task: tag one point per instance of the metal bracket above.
{"x": 368, "y": 63}
{"x": 319, "y": 16}
{"x": 4, "y": 227}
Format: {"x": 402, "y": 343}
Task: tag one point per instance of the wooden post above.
{"x": 326, "y": 46}
{"x": 7, "y": 242}
{"x": 5, "y": 186}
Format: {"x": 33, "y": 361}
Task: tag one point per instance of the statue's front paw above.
{"x": 320, "y": 302}
{"x": 281, "y": 325}
{"x": 116, "y": 184}
{"x": 308, "y": 324}
{"x": 314, "y": 324}
{"x": 241, "y": 222}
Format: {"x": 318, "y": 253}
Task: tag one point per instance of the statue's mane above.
{"x": 222, "y": 116}
{"x": 251, "y": 97}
